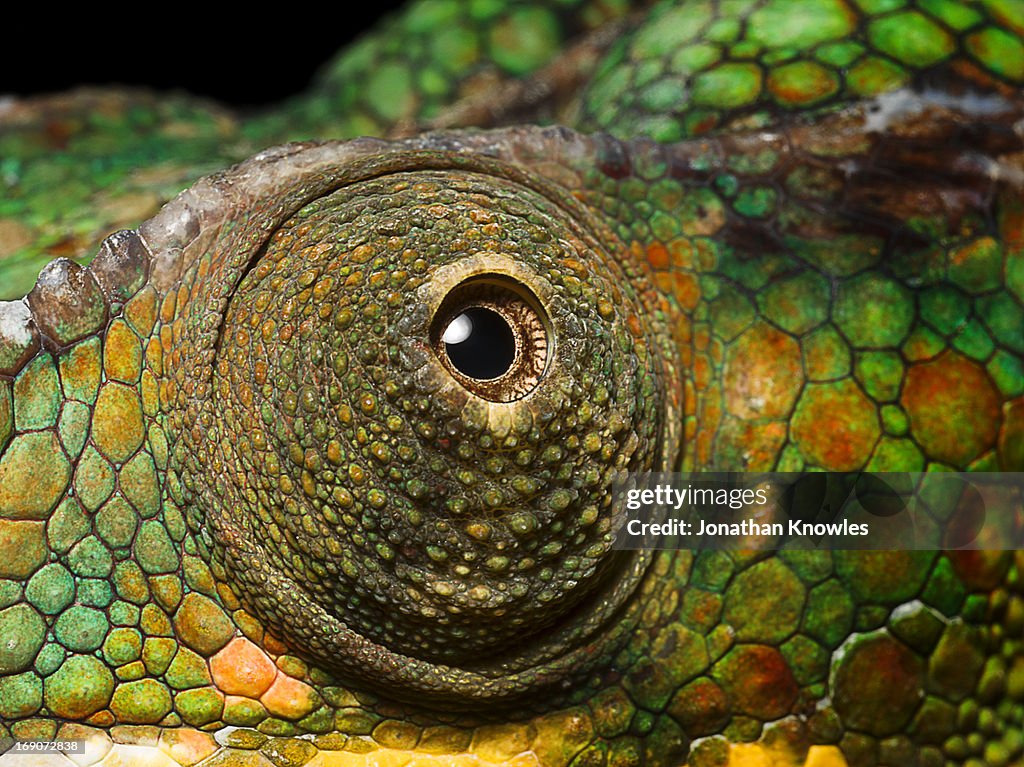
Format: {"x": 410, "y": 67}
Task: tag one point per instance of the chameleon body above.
{"x": 253, "y": 510}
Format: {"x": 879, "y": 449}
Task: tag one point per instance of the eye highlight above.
{"x": 492, "y": 336}
{"x": 480, "y": 344}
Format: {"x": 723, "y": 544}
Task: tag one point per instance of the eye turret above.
{"x": 426, "y": 381}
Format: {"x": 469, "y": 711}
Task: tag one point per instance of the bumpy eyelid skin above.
{"x": 209, "y": 249}
{"x": 206, "y": 243}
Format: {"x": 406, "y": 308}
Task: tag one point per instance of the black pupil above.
{"x": 488, "y": 350}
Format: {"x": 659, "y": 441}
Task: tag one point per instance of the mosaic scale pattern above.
{"x": 249, "y": 517}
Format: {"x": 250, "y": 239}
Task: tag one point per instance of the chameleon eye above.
{"x": 423, "y": 373}
{"x": 491, "y": 335}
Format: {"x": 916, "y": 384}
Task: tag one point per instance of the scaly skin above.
{"x": 239, "y": 487}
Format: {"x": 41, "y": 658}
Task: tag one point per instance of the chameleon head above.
{"x": 427, "y": 378}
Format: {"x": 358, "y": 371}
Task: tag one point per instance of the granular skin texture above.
{"x": 252, "y": 512}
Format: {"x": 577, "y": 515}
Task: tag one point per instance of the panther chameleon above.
{"x": 259, "y": 505}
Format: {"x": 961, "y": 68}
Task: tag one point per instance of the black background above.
{"x": 249, "y": 59}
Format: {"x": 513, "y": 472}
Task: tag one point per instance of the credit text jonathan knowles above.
{"x": 669, "y": 497}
